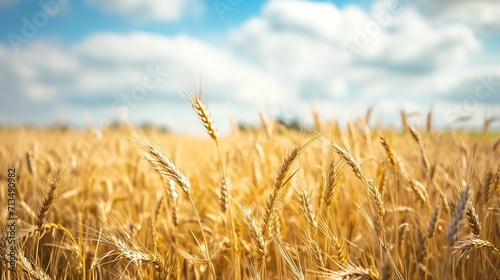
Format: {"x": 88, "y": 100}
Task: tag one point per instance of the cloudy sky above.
{"x": 92, "y": 61}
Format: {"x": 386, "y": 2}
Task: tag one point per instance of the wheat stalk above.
{"x": 403, "y": 228}
{"x": 423, "y": 242}
{"x": 467, "y": 244}
{"x": 266, "y": 124}
{"x": 224, "y": 197}
{"x": 331, "y": 180}
{"x": 404, "y": 120}
{"x": 368, "y": 115}
{"x": 366, "y": 131}
{"x": 318, "y": 255}
{"x": 340, "y": 251}
{"x": 132, "y": 253}
{"x": 455, "y": 224}
{"x": 473, "y": 219}
{"x": 307, "y": 209}
{"x": 388, "y": 150}
{"x": 32, "y": 269}
{"x": 273, "y": 201}
{"x": 431, "y": 229}
{"x": 201, "y": 110}
{"x": 256, "y": 234}
{"x": 165, "y": 166}
{"x": 4, "y": 242}
{"x": 289, "y": 261}
{"x": 425, "y": 161}
{"x": 464, "y": 155}
{"x": 419, "y": 190}
{"x": 429, "y": 122}
{"x": 174, "y": 196}
{"x": 318, "y": 125}
{"x": 488, "y": 184}
{"x": 52, "y": 194}
{"x": 353, "y": 272}
{"x": 369, "y": 183}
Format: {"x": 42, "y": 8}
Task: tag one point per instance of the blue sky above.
{"x": 81, "y": 62}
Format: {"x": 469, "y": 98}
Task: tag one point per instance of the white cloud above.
{"x": 220, "y": 69}
{"x": 281, "y": 61}
{"x": 100, "y": 72}
{"x": 159, "y": 10}
{"x": 408, "y": 55}
{"x": 37, "y": 73}
{"x": 483, "y": 14}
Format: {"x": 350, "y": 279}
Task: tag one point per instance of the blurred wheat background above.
{"x": 264, "y": 203}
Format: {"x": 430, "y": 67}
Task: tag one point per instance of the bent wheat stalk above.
{"x": 201, "y": 110}
{"x": 165, "y": 166}
{"x": 369, "y": 183}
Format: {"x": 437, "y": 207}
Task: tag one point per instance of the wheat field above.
{"x": 361, "y": 202}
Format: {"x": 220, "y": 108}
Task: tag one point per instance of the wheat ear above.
{"x": 389, "y": 151}
{"x": 306, "y": 207}
{"x": 33, "y": 270}
{"x": 488, "y": 184}
{"x": 52, "y": 194}
{"x": 331, "y": 179}
{"x": 273, "y": 201}
{"x": 355, "y": 273}
{"x": 165, "y": 166}
{"x": 419, "y": 190}
{"x": 132, "y": 253}
{"x": 455, "y": 225}
{"x": 372, "y": 189}
{"x": 289, "y": 260}
{"x": 201, "y": 110}
{"x": 425, "y": 161}
{"x": 464, "y": 156}
{"x": 429, "y": 122}
{"x": 266, "y": 124}
{"x": 468, "y": 244}
{"x": 431, "y": 229}
{"x": 404, "y": 121}
{"x": 473, "y": 219}
{"x": 255, "y": 232}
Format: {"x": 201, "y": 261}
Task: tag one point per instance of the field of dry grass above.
{"x": 270, "y": 203}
